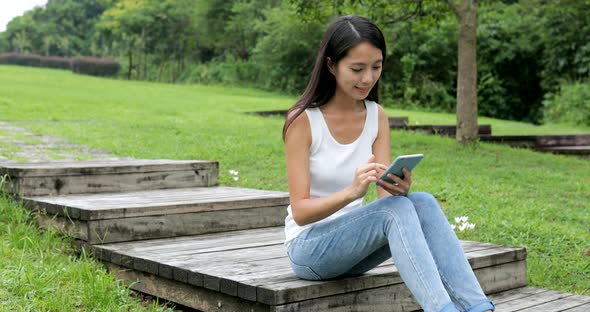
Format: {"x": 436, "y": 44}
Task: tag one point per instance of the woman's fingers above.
{"x": 400, "y": 186}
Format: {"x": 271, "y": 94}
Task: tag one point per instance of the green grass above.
{"x": 515, "y": 197}
{"x": 41, "y": 271}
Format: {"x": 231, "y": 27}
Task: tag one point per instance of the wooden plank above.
{"x": 582, "y": 308}
{"x": 63, "y": 185}
{"x": 63, "y": 225}
{"x": 561, "y": 304}
{"x": 157, "y": 202}
{"x": 99, "y": 167}
{"x": 493, "y": 279}
{"x": 387, "y": 298}
{"x": 202, "y": 243}
{"x": 279, "y": 112}
{"x": 502, "y": 277}
{"x": 444, "y": 130}
{"x": 395, "y": 122}
{"x": 382, "y": 299}
{"x": 141, "y": 228}
{"x": 530, "y": 301}
{"x": 185, "y": 294}
{"x": 163, "y": 226}
{"x": 539, "y": 141}
{"x": 514, "y": 294}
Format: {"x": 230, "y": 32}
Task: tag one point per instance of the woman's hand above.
{"x": 400, "y": 187}
{"x": 364, "y": 175}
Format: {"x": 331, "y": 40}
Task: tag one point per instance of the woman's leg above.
{"x": 331, "y": 249}
{"x": 455, "y": 271}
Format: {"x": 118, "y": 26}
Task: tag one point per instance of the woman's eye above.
{"x": 377, "y": 67}
{"x": 356, "y": 70}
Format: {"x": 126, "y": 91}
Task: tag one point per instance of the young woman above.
{"x": 337, "y": 144}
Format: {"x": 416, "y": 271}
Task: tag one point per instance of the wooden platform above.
{"x": 100, "y": 176}
{"x": 249, "y": 269}
{"x": 117, "y": 217}
{"x": 443, "y": 130}
{"x": 221, "y": 248}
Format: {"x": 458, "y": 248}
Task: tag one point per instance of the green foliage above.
{"x": 565, "y": 34}
{"x": 62, "y": 28}
{"x": 286, "y": 53}
{"x": 570, "y": 105}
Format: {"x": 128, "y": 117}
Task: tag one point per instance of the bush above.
{"x": 20, "y": 59}
{"x": 570, "y": 105}
{"x": 95, "y": 66}
{"x": 55, "y": 62}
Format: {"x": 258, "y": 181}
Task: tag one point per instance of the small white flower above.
{"x": 453, "y": 227}
{"x": 464, "y": 219}
{"x": 236, "y": 178}
{"x": 232, "y": 172}
{"x": 457, "y": 220}
{"x": 470, "y": 226}
{"x": 462, "y": 227}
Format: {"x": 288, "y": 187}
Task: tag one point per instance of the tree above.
{"x": 391, "y": 12}
{"x": 466, "y": 13}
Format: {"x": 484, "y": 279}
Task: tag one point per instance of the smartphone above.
{"x": 407, "y": 161}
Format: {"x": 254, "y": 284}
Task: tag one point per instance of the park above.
{"x": 163, "y": 186}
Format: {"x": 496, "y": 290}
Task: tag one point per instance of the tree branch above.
{"x": 416, "y": 12}
{"x": 454, "y": 7}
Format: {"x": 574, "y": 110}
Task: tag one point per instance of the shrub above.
{"x": 55, "y": 62}
{"x": 20, "y": 59}
{"x": 95, "y": 66}
{"x": 570, "y": 105}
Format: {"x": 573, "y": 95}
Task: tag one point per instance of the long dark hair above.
{"x": 343, "y": 34}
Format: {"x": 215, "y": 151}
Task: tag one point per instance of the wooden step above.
{"x": 117, "y": 217}
{"x": 100, "y": 176}
{"x": 443, "y": 130}
{"x": 249, "y": 271}
{"x": 539, "y": 141}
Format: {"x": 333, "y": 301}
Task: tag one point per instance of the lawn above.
{"x": 515, "y": 197}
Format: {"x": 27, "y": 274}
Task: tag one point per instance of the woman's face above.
{"x": 358, "y": 71}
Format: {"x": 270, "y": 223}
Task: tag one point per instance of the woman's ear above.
{"x": 331, "y": 65}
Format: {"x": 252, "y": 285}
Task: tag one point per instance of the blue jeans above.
{"x": 414, "y": 231}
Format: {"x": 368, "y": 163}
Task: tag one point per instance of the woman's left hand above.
{"x": 401, "y": 187}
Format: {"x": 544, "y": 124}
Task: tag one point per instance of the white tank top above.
{"x": 332, "y": 165}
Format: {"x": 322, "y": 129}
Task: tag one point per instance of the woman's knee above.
{"x": 421, "y": 198}
{"x": 397, "y": 205}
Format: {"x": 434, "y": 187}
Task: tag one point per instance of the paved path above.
{"x": 18, "y": 144}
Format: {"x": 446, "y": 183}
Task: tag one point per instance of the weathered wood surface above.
{"x": 41, "y": 179}
{"x": 278, "y": 112}
{"x": 444, "y": 130}
{"x": 568, "y": 150}
{"x": 395, "y": 122}
{"x": 155, "y": 202}
{"x": 108, "y": 218}
{"x": 254, "y": 266}
{"x": 97, "y": 167}
{"x": 182, "y": 293}
{"x": 539, "y": 141}
{"x": 387, "y": 298}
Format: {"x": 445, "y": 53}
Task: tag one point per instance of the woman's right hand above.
{"x": 364, "y": 175}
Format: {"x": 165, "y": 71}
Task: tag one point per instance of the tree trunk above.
{"x": 130, "y": 67}
{"x": 467, "y": 129}
{"x": 139, "y": 51}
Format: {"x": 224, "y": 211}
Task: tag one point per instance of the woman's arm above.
{"x": 382, "y": 152}
{"x": 305, "y": 209}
